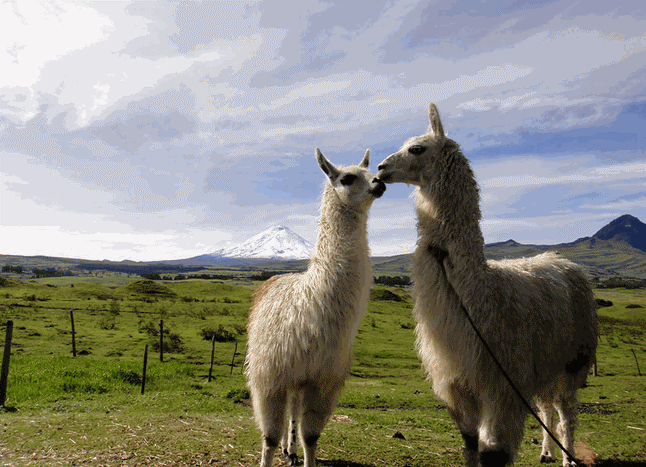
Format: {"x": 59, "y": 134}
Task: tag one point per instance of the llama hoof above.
{"x": 292, "y": 459}
{"x": 547, "y": 459}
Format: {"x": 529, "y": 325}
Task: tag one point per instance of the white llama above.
{"x": 302, "y": 326}
{"x": 537, "y": 314}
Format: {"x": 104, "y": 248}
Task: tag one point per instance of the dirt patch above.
{"x": 597, "y": 408}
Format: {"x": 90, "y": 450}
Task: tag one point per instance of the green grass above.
{"x": 88, "y": 410}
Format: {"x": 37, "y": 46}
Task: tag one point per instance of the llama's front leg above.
{"x": 566, "y": 408}
{"x": 317, "y": 408}
{"x": 463, "y": 409}
{"x": 270, "y": 413}
{"x": 501, "y": 429}
{"x": 289, "y": 435}
{"x": 469, "y": 435}
{"x": 546, "y": 410}
{"x": 289, "y": 442}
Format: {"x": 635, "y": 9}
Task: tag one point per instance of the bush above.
{"x": 150, "y": 327}
{"x": 129, "y": 377}
{"x": 601, "y": 303}
{"x": 107, "y": 321}
{"x": 172, "y": 343}
{"x": 393, "y": 281}
{"x": 221, "y": 334}
{"x": 239, "y": 395}
{"x": 115, "y": 307}
{"x": 384, "y": 294}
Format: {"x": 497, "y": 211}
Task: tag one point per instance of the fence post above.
{"x": 636, "y": 362}
{"x": 244, "y": 360}
{"x": 234, "y": 357}
{"x": 161, "y": 340}
{"x": 212, "y": 356}
{"x": 4, "y": 374}
{"x": 143, "y": 380}
{"x": 73, "y": 334}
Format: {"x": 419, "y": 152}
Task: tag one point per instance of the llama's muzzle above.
{"x": 384, "y": 173}
{"x": 379, "y": 187}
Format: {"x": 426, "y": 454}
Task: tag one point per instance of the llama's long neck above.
{"x": 448, "y": 214}
{"x": 340, "y": 259}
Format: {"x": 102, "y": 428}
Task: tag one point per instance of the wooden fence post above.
{"x": 244, "y": 360}
{"x": 161, "y": 340}
{"x": 636, "y": 362}
{"x": 234, "y": 357}
{"x": 143, "y": 379}
{"x": 212, "y": 356}
{"x": 4, "y": 374}
{"x": 73, "y": 334}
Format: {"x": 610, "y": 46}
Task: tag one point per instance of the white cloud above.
{"x": 534, "y": 172}
{"x": 244, "y": 90}
{"x": 36, "y": 33}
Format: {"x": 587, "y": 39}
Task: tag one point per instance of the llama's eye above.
{"x": 348, "y": 179}
{"x": 416, "y": 150}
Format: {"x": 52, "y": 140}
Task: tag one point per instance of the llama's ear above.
{"x": 435, "y": 124}
{"x": 366, "y": 160}
{"x": 326, "y": 166}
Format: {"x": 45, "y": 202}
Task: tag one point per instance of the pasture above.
{"x": 89, "y": 410}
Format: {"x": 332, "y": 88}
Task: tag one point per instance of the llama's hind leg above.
{"x": 289, "y": 434}
{"x": 546, "y": 412}
{"x": 566, "y": 408}
{"x": 270, "y": 414}
{"x": 318, "y": 405}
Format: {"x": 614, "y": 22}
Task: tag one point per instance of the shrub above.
{"x": 115, "y": 307}
{"x": 221, "y": 334}
{"x": 172, "y": 343}
{"x": 107, "y": 321}
{"x": 239, "y": 395}
{"x": 150, "y": 327}
{"x": 129, "y": 377}
{"x": 384, "y": 294}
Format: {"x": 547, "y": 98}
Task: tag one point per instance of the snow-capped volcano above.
{"x": 276, "y": 243}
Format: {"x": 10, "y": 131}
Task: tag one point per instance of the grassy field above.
{"x": 89, "y": 410}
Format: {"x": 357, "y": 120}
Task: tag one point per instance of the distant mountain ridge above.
{"x": 617, "y": 249}
{"x": 627, "y": 229}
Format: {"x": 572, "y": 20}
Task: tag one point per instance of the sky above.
{"x": 165, "y": 130}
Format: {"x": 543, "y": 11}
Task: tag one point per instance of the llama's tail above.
{"x": 582, "y": 360}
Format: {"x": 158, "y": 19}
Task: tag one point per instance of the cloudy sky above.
{"x": 166, "y": 130}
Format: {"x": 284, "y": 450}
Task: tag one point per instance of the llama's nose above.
{"x": 380, "y": 186}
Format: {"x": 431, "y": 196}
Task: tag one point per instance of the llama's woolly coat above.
{"x": 302, "y": 326}
{"x": 531, "y": 342}
{"x": 538, "y": 315}
{"x": 304, "y": 333}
